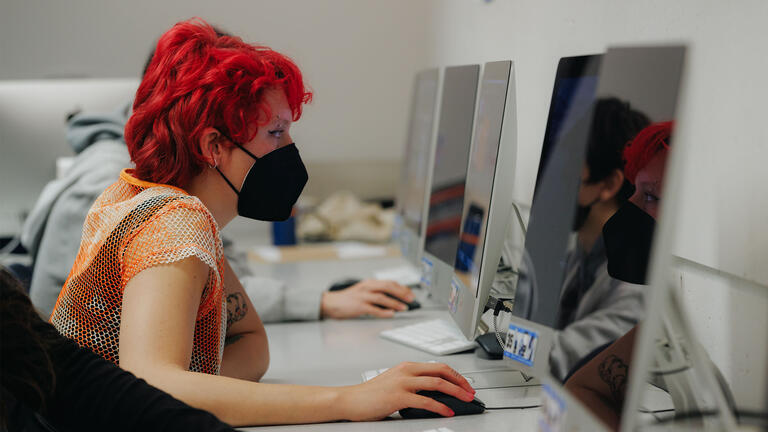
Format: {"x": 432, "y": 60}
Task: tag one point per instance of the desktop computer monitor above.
{"x": 412, "y": 194}
{"x": 33, "y": 116}
{"x": 573, "y": 93}
{"x": 648, "y": 80}
{"x": 449, "y": 172}
{"x": 487, "y": 198}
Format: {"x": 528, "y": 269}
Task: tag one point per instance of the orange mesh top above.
{"x": 132, "y": 226}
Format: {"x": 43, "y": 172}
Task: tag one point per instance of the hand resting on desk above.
{"x": 368, "y": 297}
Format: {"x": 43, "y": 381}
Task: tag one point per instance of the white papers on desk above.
{"x": 352, "y": 250}
{"x": 268, "y": 253}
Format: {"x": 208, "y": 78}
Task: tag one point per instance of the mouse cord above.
{"x": 513, "y": 407}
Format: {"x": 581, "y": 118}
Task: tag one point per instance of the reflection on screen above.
{"x": 571, "y": 98}
{"x": 542, "y": 267}
{"x": 477, "y": 196}
{"x": 645, "y": 81}
{"x": 416, "y": 157}
{"x": 450, "y": 166}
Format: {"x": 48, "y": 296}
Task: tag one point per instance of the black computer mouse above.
{"x": 346, "y": 283}
{"x": 458, "y": 406}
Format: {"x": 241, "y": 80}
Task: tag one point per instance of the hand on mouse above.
{"x": 396, "y": 389}
{"x": 366, "y": 297}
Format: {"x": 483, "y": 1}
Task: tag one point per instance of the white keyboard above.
{"x": 437, "y": 337}
{"x": 404, "y": 275}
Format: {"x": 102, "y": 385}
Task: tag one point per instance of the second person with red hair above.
{"x": 150, "y": 287}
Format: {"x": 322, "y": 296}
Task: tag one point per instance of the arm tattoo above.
{"x": 613, "y": 371}
{"x": 237, "y": 307}
{"x": 229, "y": 340}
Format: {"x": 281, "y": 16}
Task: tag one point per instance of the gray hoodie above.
{"x": 53, "y": 229}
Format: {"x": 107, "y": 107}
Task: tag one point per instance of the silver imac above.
{"x": 487, "y": 198}
{"x": 647, "y": 79}
{"x": 551, "y": 215}
{"x": 446, "y": 197}
{"x": 414, "y": 177}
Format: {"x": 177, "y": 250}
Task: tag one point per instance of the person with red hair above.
{"x": 150, "y": 289}
{"x": 645, "y": 158}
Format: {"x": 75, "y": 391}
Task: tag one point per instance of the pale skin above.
{"x": 600, "y": 384}
{"x": 160, "y": 306}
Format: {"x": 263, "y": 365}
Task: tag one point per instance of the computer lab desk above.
{"x": 336, "y": 353}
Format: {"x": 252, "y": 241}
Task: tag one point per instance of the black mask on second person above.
{"x": 628, "y": 236}
{"x": 272, "y": 185}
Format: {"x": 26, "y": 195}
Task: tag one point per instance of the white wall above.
{"x": 721, "y": 117}
{"x": 359, "y": 57}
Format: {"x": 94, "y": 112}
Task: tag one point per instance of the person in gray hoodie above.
{"x": 53, "y": 230}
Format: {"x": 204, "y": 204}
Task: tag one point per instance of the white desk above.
{"x": 337, "y": 352}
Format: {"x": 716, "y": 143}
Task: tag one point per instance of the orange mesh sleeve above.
{"x": 181, "y": 229}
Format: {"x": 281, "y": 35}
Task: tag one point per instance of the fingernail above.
{"x": 410, "y": 297}
{"x": 402, "y": 307}
{"x": 451, "y": 413}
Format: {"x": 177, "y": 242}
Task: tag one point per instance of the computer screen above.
{"x": 647, "y": 79}
{"x": 482, "y": 169}
{"x": 415, "y": 167}
{"x": 33, "y": 116}
{"x": 554, "y": 201}
{"x": 488, "y": 184}
{"x": 572, "y": 95}
{"x": 454, "y": 135}
{"x": 589, "y": 234}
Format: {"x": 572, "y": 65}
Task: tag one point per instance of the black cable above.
{"x": 513, "y": 407}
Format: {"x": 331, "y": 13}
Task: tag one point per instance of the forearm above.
{"x": 246, "y": 356}
{"x": 244, "y": 403}
{"x": 600, "y": 407}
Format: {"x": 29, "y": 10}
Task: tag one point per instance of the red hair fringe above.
{"x": 645, "y": 146}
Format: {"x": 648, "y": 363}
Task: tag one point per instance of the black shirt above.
{"x": 93, "y": 394}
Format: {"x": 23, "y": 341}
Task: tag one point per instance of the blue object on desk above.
{"x": 284, "y": 233}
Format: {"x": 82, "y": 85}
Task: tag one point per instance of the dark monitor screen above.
{"x": 557, "y": 184}
{"x": 413, "y": 182}
{"x": 572, "y": 95}
{"x": 454, "y": 135}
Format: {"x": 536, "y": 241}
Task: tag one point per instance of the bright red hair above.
{"x": 645, "y": 146}
{"x": 198, "y": 79}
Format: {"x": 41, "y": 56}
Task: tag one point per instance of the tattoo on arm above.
{"x": 613, "y": 371}
{"x": 237, "y": 307}
{"x": 232, "y": 339}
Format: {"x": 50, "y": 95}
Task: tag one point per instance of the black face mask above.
{"x": 628, "y": 236}
{"x": 272, "y": 185}
{"x": 582, "y": 212}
